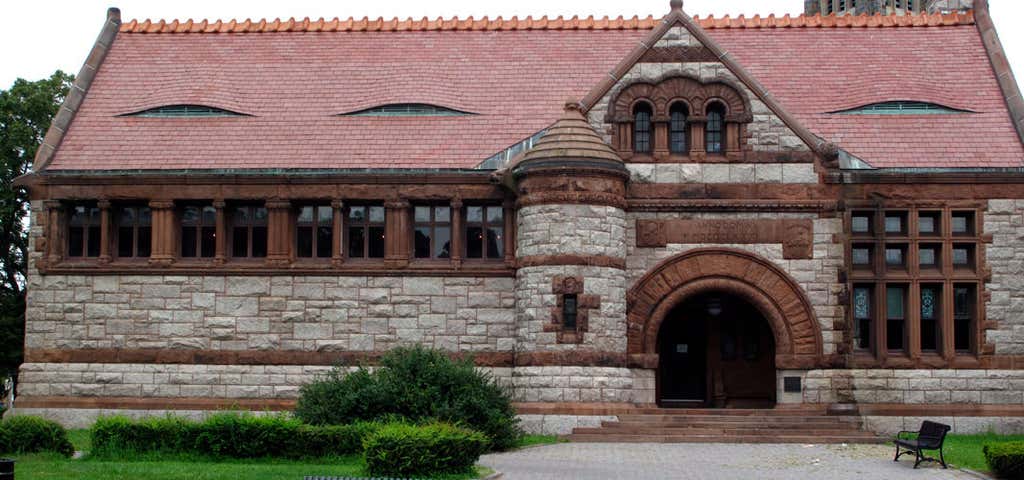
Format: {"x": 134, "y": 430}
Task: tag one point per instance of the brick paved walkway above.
{"x": 625, "y": 461}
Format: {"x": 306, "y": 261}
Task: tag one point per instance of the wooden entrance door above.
{"x": 716, "y": 351}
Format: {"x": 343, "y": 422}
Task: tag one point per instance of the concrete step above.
{"x": 755, "y": 431}
{"x": 856, "y": 437}
{"x": 700, "y": 424}
{"x": 751, "y": 421}
{"x": 731, "y": 418}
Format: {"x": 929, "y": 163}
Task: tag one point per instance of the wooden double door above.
{"x": 716, "y": 351}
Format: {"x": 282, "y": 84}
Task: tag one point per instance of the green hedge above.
{"x": 226, "y": 435}
{"x": 27, "y": 434}
{"x": 1006, "y": 459}
{"x": 403, "y": 449}
{"x": 417, "y": 384}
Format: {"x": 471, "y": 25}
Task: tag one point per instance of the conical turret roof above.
{"x": 570, "y": 138}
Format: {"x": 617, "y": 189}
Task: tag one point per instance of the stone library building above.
{"x": 813, "y": 214}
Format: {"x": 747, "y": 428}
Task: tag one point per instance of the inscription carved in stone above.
{"x": 796, "y": 236}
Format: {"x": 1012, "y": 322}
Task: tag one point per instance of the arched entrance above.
{"x": 716, "y": 350}
{"x": 736, "y": 276}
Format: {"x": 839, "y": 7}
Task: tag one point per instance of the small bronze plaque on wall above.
{"x": 795, "y": 235}
{"x": 791, "y": 384}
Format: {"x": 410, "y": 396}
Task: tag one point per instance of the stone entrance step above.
{"x": 731, "y": 426}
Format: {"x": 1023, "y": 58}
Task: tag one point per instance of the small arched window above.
{"x": 716, "y": 126}
{"x": 642, "y": 128}
{"x": 677, "y": 128}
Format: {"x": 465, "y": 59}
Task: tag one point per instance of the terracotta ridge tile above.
{"x": 541, "y": 23}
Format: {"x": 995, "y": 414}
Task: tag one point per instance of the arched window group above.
{"x": 678, "y": 117}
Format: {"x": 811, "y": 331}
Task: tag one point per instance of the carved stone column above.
{"x": 509, "y": 214}
{"x": 457, "y": 232}
{"x": 396, "y": 234}
{"x": 698, "y": 148}
{"x": 220, "y": 249}
{"x": 279, "y": 233}
{"x": 105, "y": 236}
{"x": 55, "y": 240}
{"x": 732, "y": 140}
{"x": 660, "y": 149}
{"x": 337, "y": 256}
{"x": 164, "y": 235}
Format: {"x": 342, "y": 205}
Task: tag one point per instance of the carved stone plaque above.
{"x": 796, "y": 236}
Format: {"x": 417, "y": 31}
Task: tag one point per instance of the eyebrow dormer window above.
{"x": 408, "y": 110}
{"x": 902, "y": 108}
{"x": 185, "y": 111}
{"x": 642, "y": 128}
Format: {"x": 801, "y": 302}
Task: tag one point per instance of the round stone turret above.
{"x": 571, "y": 245}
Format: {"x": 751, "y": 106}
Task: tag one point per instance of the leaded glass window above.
{"x": 642, "y": 128}
{"x": 930, "y": 313}
{"x": 677, "y": 128}
{"x": 862, "y": 317}
{"x": 715, "y": 128}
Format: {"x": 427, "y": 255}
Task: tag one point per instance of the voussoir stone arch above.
{"x": 664, "y": 91}
{"x": 798, "y": 340}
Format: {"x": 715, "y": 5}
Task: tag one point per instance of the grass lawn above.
{"x": 50, "y": 466}
{"x": 965, "y": 450}
{"x": 532, "y": 439}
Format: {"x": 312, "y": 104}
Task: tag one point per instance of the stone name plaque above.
{"x": 796, "y": 236}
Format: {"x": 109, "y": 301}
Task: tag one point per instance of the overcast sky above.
{"x": 40, "y": 36}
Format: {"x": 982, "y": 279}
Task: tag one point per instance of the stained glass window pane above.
{"x": 861, "y": 303}
{"x": 928, "y": 303}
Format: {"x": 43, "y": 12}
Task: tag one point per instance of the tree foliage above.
{"x": 25, "y": 113}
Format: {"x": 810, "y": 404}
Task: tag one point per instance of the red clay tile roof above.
{"x": 514, "y": 74}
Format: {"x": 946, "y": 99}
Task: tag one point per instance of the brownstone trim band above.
{"x": 575, "y": 358}
{"x": 668, "y": 205}
{"x": 573, "y": 198}
{"x": 749, "y": 156}
{"x": 68, "y": 109}
{"x": 584, "y": 260}
{"x": 234, "y": 357}
{"x": 157, "y": 403}
{"x": 328, "y": 268}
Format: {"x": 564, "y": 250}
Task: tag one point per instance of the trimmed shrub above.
{"x": 226, "y": 435}
{"x": 27, "y": 434}
{"x": 1006, "y": 459}
{"x": 417, "y": 384}
{"x": 403, "y": 449}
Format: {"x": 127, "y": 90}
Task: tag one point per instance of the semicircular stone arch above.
{"x": 798, "y": 340}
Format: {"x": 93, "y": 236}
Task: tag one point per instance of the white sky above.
{"x": 40, "y": 36}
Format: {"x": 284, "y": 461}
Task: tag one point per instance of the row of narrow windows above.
{"x": 915, "y": 280}
{"x": 679, "y": 132}
{"x": 363, "y": 231}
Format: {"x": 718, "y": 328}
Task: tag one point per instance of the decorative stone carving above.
{"x": 796, "y": 236}
{"x": 571, "y": 285}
